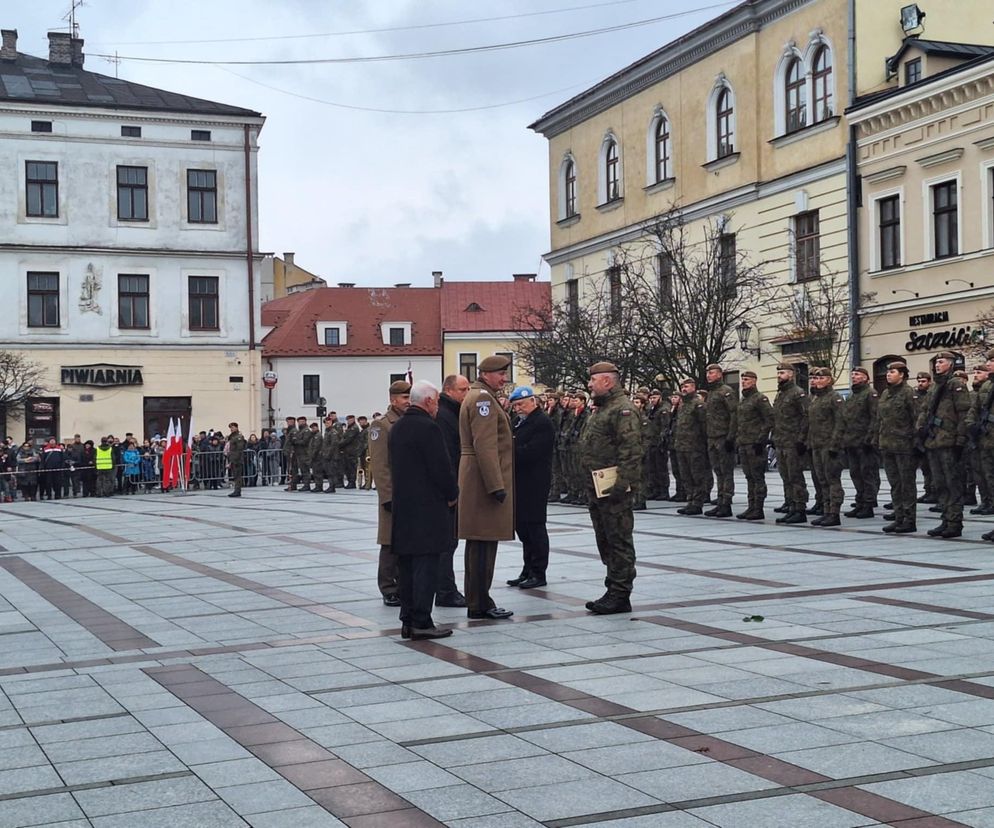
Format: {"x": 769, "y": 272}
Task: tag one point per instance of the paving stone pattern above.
{"x": 188, "y": 661}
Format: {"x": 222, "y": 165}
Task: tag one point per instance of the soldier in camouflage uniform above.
{"x": 565, "y": 420}
{"x": 755, "y": 419}
{"x": 288, "y": 460}
{"x": 679, "y": 491}
{"x": 576, "y": 484}
{"x": 980, "y": 377}
{"x": 982, "y": 429}
{"x": 657, "y": 415}
{"x": 721, "y": 411}
{"x": 611, "y": 439}
{"x": 969, "y": 481}
{"x": 894, "y": 435}
{"x": 790, "y": 428}
{"x": 859, "y": 415}
{"x": 348, "y": 450}
{"x": 324, "y": 457}
{"x": 923, "y": 382}
{"x": 312, "y": 458}
{"x": 236, "y": 459}
{"x": 942, "y": 429}
{"x": 825, "y": 429}
{"x": 555, "y": 413}
{"x": 639, "y": 403}
{"x": 690, "y": 440}
{"x": 301, "y": 455}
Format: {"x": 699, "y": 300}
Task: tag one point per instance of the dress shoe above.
{"x": 405, "y": 630}
{"x": 532, "y": 583}
{"x": 392, "y": 600}
{"x": 425, "y": 634}
{"x": 235, "y": 494}
{"x": 496, "y": 613}
{"x": 816, "y": 510}
{"x": 783, "y": 509}
{"x": 937, "y": 508}
{"x": 524, "y": 576}
{"x": 830, "y": 520}
{"x": 952, "y": 532}
{"x": 795, "y": 517}
{"x": 936, "y": 531}
{"x": 456, "y": 600}
{"x": 890, "y": 516}
{"x": 611, "y": 604}
{"x": 690, "y": 510}
{"x": 890, "y": 528}
{"x": 905, "y": 529}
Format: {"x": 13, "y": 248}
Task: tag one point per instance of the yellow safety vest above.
{"x": 105, "y": 458}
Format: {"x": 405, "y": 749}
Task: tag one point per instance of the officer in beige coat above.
{"x": 486, "y": 484}
{"x": 379, "y": 462}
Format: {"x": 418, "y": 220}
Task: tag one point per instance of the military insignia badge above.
{"x": 483, "y": 408}
{"x": 374, "y": 434}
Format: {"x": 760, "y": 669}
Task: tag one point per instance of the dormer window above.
{"x": 395, "y": 334}
{"x": 912, "y": 71}
{"x": 473, "y": 307}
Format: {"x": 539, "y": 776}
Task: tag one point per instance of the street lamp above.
{"x": 743, "y": 329}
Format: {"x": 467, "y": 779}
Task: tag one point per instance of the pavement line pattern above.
{"x": 340, "y": 788}
{"x": 785, "y": 774}
{"x": 110, "y": 629}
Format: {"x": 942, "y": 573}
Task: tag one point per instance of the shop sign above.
{"x": 941, "y": 340}
{"x": 101, "y": 375}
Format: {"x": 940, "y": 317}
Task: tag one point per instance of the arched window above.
{"x": 725, "y": 123}
{"x": 795, "y": 96}
{"x": 612, "y": 169}
{"x": 568, "y": 205}
{"x": 662, "y": 149}
{"x": 821, "y": 76}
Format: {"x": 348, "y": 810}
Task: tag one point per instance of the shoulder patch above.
{"x": 625, "y": 412}
{"x": 483, "y": 408}
{"x": 374, "y": 433}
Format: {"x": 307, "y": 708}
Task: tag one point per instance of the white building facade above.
{"x": 130, "y": 242}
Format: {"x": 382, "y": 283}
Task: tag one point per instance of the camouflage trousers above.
{"x": 321, "y": 470}
{"x": 694, "y": 473}
{"x": 828, "y": 471}
{"x": 901, "y": 472}
{"x": 613, "y": 525}
{"x": 791, "y": 468}
{"x": 754, "y": 468}
{"x": 864, "y": 470}
{"x": 947, "y": 476}
{"x": 556, "y": 487}
{"x": 980, "y": 479}
{"x": 723, "y": 465}
{"x": 677, "y": 478}
{"x": 985, "y": 458}
{"x": 302, "y": 477}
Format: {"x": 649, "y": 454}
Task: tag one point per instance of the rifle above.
{"x": 932, "y": 423}
{"x": 979, "y": 429}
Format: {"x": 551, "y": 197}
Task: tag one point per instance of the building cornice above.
{"x": 742, "y": 21}
{"x": 701, "y": 209}
{"x": 62, "y": 249}
{"x": 133, "y": 116}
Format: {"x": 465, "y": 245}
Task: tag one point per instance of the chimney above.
{"x": 288, "y": 259}
{"x": 436, "y": 276}
{"x": 77, "y": 52}
{"x": 402, "y": 284}
{"x": 525, "y": 277}
{"x": 60, "y": 48}
{"x": 8, "y": 51}
{"x": 346, "y": 284}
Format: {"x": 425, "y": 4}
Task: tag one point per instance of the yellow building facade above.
{"x": 756, "y": 144}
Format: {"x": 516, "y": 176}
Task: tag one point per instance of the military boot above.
{"x": 783, "y": 508}
{"x": 745, "y": 515}
{"x": 890, "y": 516}
{"x": 905, "y": 529}
{"x": 787, "y": 513}
{"x": 796, "y": 517}
{"x": 611, "y": 604}
{"x": 756, "y": 514}
{"x": 890, "y": 528}
{"x": 830, "y": 520}
{"x": 721, "y": 510}
{"x": 953, "y": 530}
{"x": 817, "y": 509}
{"x": 690, "y": 510}
{"x": 988, "y": 536}
{"x": 936, "y": 531}
{"x": 590, "y": 604}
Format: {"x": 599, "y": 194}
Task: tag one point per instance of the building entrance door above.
{"x": 159, "y": 410}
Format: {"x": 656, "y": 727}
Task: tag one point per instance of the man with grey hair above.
{"x": 454, "y": 391}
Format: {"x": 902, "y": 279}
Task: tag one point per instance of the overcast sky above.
{"x": 378, "y": 198}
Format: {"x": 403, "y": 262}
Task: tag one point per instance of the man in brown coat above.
{"x": 379, "y": 461}
{"x": 486, "y": 484}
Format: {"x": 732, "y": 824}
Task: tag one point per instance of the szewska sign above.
{"x": 101, "y": 375}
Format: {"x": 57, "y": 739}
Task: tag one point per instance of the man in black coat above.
{"x": 534, "y": 443}
{"x": 454, "y": 390}
{"x": 424, "y": 493}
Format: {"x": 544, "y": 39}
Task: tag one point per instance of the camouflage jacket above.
{"x": 790, "y": 415}
{"x": 897, "y": 411}
{"x": 859, "y": 415}
{"x": 329, "y": 445}
{"x": 825, "y": 419}
{"x": 755, "y": 418}
{"x": 721, "y": 411}
{"x": 945, "y": 416}
{"x": 690, "y": 433}
{"x": 611, "y": 438}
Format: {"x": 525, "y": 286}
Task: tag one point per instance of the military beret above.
{"x": 820, "y": 372}
{"x": 522, "y": 392}
{"x": 603, "y": 368}
{"x": 749, "y": 374}
{"x": 980, "y": 366}
{"x": 655, "y": 392}
{"x": 961, "y": 374}
{"x": 714, "y": 366}
{"x": 859, "y": 369}
{"x": 495, "y": 363}
{"x": 946, "y": 355}
{"x": 898, "y": 366}
{"x": 643, "y": 389}
{"x": 989, "y": 354}
{"x": 579, "y": 395}
{"x": 924, "y": 375}
{"x": 400, "y": 387}
{"x": 785, "y": 366}
{"x": 685, "y": 380}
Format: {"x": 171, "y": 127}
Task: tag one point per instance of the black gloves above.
{"x": 616, "y": 494}
{"x": 801, "y": 448}
{"x": 833, "y": 454}
{"x": 730, "y": 446}
{"x": 388, "y": 506}
{"x": 869, "y": 449}
{"x": 759, "y": 448}
{"x": 958, "y": 453}
{"x": 500, "y": 495}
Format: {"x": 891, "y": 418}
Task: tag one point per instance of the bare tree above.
{"x": 20, "y": 380}
{"x": 814, "y": 317}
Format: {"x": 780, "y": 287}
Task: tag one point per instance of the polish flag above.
{"x": 171, "y": 456}
{"x": 188, "y": 454}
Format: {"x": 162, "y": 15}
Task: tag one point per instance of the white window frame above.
{"x": 561, "y": 212}
{"x": 343, "y": 333}
{"x": 650, "y": 149}
{"x": 39, "y": 267}
{"x": 220, "y": 180}
{"x": 602, "y": 199}
{"x": 721, "y": 83}
{"x": 222, "y": 299}
{"x": 873, "y": 216}
{"x": 790, "y": 53}
{"x": 987, "y": 189}
{"x": 385, "y": 331}
{"x": 153, "y": 327}
{"x": 928, "y": 237}
{"x": 817, "y": 40}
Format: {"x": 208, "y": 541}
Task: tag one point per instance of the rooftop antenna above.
{"x": 115, "y": 60}
{"x": 71, "y": 16}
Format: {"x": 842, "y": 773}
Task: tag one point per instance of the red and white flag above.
{"x": 171, "y": 456}
{"x": 410, "y": 374}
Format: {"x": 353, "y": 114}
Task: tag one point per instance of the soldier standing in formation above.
{"x": 301, "y": 455}
{"x": 326, "y": 454}
{"x": 349, "y": 450}
{"x": 942, "y": 429}
{"x": 790, "y": 429}
{"x": 575, "y": 484}
{"x": 980, "y": 377}
{"x": 679, "y": 492}
{"x": 755, "y": 420}
{"x": 859, "y": 416}
{"x": 894, "y": 437}
{"x": 288, "y": 459}
{"x": 690, "y": 441}
{"x": 554, "y": 410}
{"x": 982, "y": 431}
{"x": 721, "y": 411}
{"x": 236, "y": 459}
{"x": 657, "y": 438}
{"x": 825, "y": 428}
{"x": 923, "y": 382}
{"x": 611, "y": 440}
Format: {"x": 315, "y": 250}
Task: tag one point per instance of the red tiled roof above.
{"x": 364, "y": 309}
{"x": 500, "y": 304}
